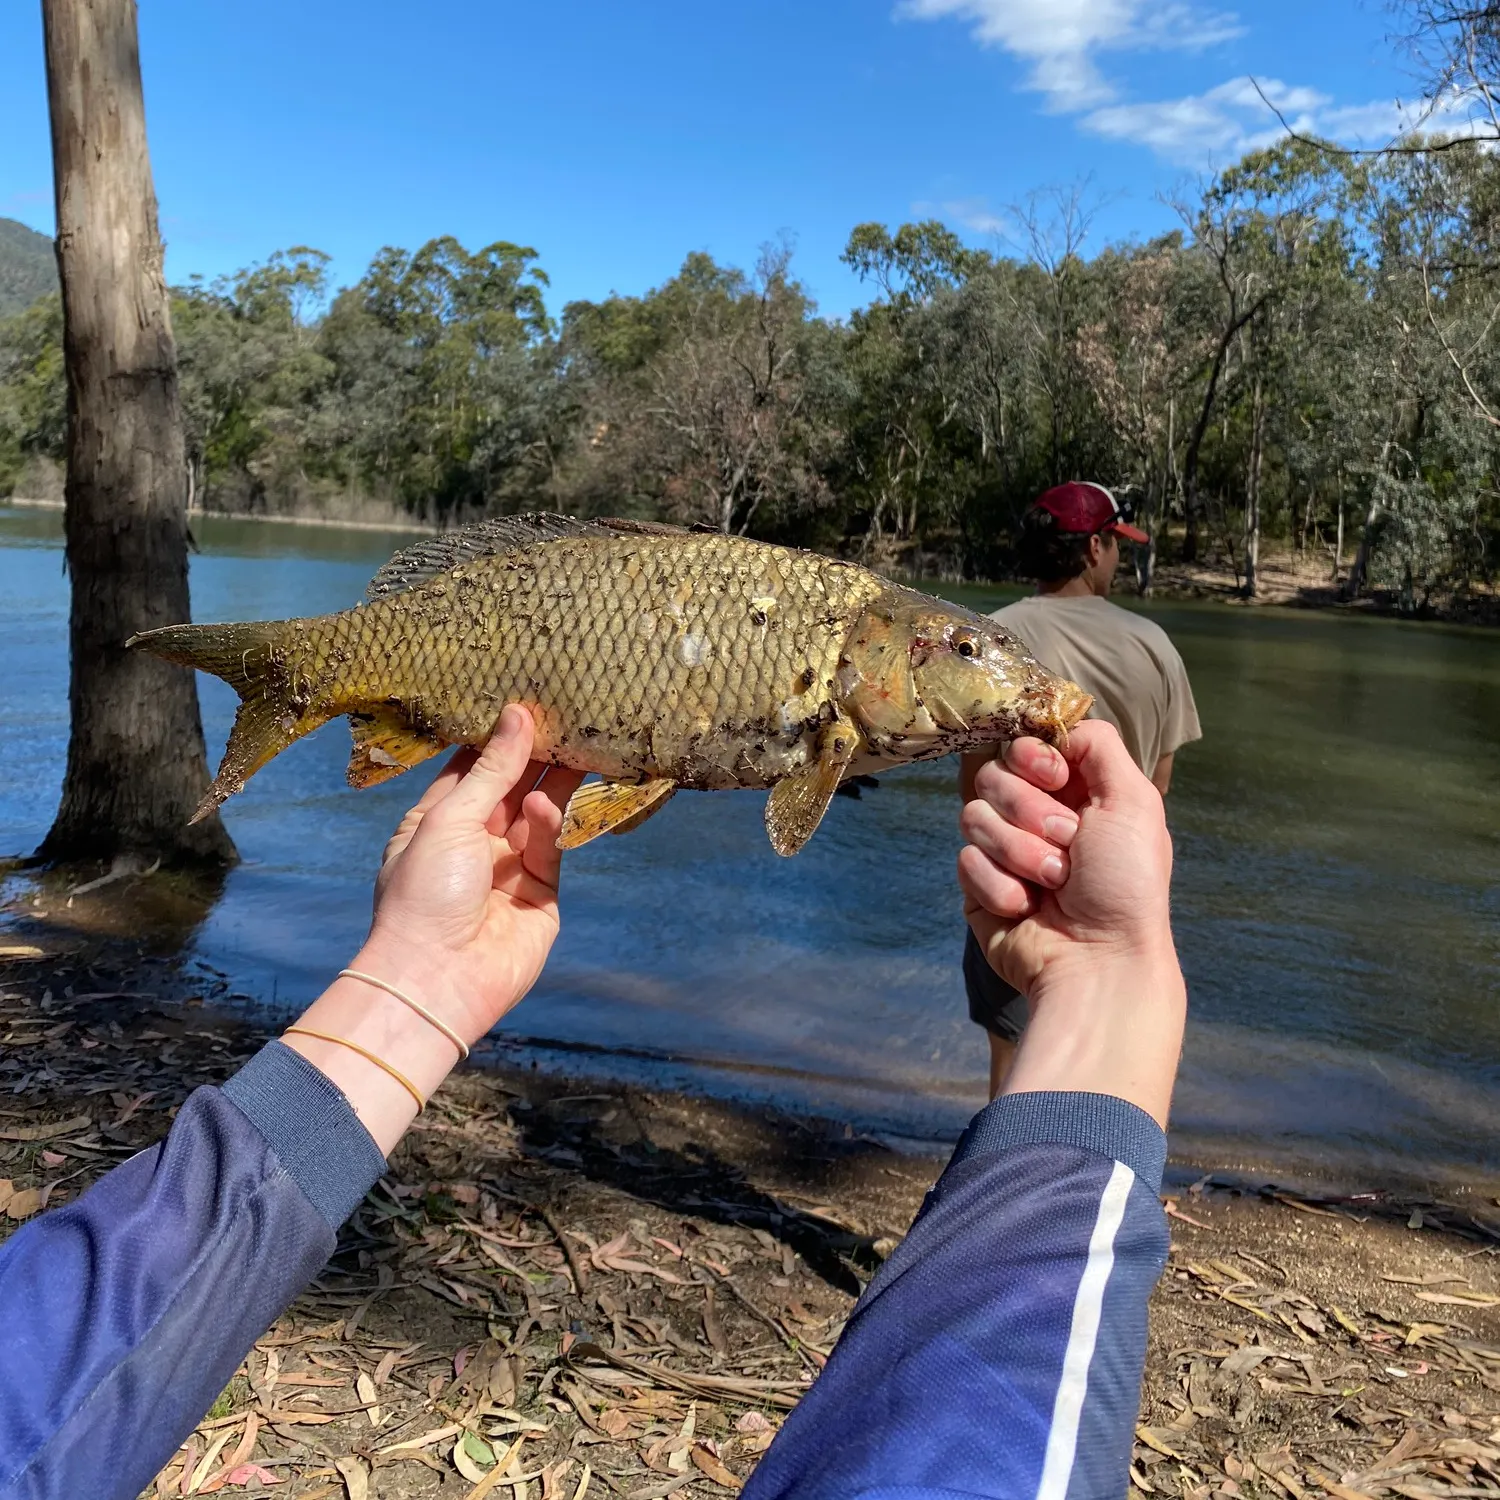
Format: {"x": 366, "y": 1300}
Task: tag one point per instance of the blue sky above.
{"x": 615, "y": 137}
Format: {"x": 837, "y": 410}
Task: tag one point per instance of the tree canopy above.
{"x": 1311, "y": 356}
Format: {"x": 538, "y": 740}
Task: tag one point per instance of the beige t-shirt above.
{"x": 1126, "y": 661}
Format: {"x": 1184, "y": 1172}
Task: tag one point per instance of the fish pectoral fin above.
{"x": 385, "y": 745}
{"x": 611, "y": 807}
{"x": 797, "y": 803}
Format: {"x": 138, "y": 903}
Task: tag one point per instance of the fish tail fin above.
{"x": 253, "y": 659}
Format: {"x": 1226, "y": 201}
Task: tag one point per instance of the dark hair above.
{"x": 1047, "y": 554}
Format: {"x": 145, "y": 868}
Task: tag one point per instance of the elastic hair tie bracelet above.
{"x": 421, "y": 1010}
{"x": 380, "y": 1062}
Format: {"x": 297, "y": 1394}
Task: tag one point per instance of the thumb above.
{"x": 495, "y": 773}
{"x": 1097, "y": 757}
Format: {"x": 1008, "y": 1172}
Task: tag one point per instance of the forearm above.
{"x": 1115, "y": 1028}
{"x": 128, "y": 1311}
{"x": 1004, "y": 1340}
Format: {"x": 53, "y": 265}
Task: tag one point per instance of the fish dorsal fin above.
{"x": 436, "y": 554}
{"x": 385, "y": 745}
{"x": 627, "y": 526}
{"x": 797, "y": 803}
{"x": 611, "y": 807}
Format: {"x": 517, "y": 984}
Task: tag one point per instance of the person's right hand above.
{"x": 1068, "y": 860}
{"x": 1066, "y": 875}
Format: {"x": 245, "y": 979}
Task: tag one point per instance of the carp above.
{"x": 658, "y": 658}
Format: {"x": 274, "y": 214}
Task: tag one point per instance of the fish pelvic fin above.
{"x": 251, "y": 658}
{"x": 611, "y": 807}
{"x": 385, "y": 745}
{"x": 797, "y": 802}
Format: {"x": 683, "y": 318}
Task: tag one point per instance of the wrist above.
{"x": 1109, "y": 977}
{"x": 355, "y": 1017}
{"x": 431, "y": 978}
{"x": 1107, "y": 1024}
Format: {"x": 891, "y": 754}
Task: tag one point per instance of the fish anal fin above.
{"x": 797, "y": 802}
{"x": 424, "y": 560}
{"x": 611, "y": 807}
{"x": 385, "y": 745}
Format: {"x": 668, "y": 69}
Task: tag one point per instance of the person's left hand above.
{"x": 466, "y": 900}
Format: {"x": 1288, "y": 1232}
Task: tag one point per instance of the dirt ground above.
{"x": 563, "y": 1291}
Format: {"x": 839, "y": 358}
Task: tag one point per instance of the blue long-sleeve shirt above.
{"x": 997, "y": 1354}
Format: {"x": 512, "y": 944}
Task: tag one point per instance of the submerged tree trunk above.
{"x": 136, "y": 764}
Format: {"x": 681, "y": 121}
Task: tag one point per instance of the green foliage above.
{"x": 33, "y": 387}
{"x": 1312, "y": 356}
{"x": 28, "y": 268}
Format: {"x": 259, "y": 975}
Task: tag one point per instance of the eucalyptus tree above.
{"x": 136, "y": 765}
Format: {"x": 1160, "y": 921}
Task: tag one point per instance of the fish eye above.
{"x": 966, "y": 645}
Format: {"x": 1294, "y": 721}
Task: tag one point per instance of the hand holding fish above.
{"x": 465, "y": 915}
{"x": 1066, "y": 875}
{"x": 467, "y": 890}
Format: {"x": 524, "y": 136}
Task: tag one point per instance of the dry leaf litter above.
{"x": 565, "y": 1290}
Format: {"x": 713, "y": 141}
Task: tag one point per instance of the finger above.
{"x": 510, "y": 826}
{"x": 1036, "y": 762}
{"x": 542, "y": 815}
{"x": 443, "y": 783}
{"x": 1025, "y": 855}
{"x": 499, "y": 767}
{"x": 508, "y": 810}
{"x": 989, "y": 888}
{"x": 459, "y": 765}
{"x": 1025, "y": 805}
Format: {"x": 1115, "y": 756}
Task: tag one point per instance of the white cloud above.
{"x": 1061, "y": 42}
{"x": 1231, "y": 119}
{"x": 973, "y": 214}
{"x": 1060, "y": 38}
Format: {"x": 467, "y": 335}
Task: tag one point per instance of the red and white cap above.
{"x": 1081, "y": 508}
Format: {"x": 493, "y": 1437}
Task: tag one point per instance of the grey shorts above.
{"x": 1001, "y": 1010}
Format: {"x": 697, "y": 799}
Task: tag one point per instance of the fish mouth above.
{"x": 1072, "y": 704}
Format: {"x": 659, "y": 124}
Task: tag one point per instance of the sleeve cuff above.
{"x": 310, "y": 1126}
{"x": 1099, "y": 1123}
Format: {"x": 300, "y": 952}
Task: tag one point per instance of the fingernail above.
{"x": 1052, "y": 870}
{"x": 508, "y": 725}
{"x": 1059, "y": 830}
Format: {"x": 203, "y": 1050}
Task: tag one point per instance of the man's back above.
{"x": 1126, "y": 661}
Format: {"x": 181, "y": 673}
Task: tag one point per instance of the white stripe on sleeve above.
{"x": 1088, "y": 1304}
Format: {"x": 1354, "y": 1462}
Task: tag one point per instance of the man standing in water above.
{"x": 1070, "y": 544}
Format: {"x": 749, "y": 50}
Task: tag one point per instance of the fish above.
{"x": 658, "y": 658}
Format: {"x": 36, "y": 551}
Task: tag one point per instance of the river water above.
{"x": 1336, "y": 899}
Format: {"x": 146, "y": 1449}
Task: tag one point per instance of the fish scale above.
{"x": 657, "y": 658}
{"x": 626, "y": 676}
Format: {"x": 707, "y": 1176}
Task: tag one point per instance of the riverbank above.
{"x": 396, "y": 523}
{"x": 1302, "y": 580}
{"x": 622, "y": 1291}
{"x": 1288, "y": 579}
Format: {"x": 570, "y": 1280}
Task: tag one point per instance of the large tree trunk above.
{"x": 136, "y": 765}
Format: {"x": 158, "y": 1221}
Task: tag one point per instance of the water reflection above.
{"x": 1337, "y": 897}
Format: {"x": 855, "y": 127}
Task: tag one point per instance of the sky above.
{"x": 616, "y": 136}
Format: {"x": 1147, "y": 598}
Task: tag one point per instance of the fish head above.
{"x": 925, "y": 678}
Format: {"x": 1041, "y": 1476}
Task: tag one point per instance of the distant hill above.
{"x": 27, "y": 267}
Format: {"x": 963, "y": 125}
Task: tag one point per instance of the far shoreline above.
{"x": 1287, "y": 580}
